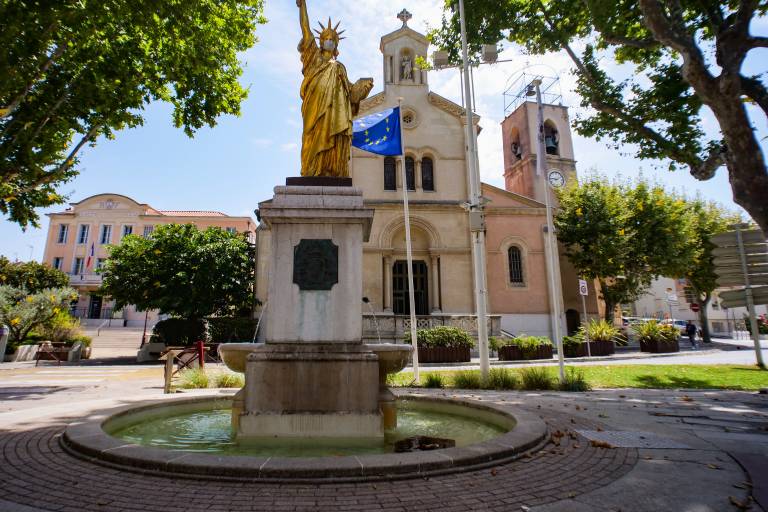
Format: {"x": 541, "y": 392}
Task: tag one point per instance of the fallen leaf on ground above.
{"x": 601, "y": 444}
{"x": 741, "y": 505}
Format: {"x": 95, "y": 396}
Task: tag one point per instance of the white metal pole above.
{"x": 750, "y": 301}
{"x": 476, "y": 221}
{"x": 586, "y": 325}
{"x": 541, "y": 156}
{"x": 408, "y": 252}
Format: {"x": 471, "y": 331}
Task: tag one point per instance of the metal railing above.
{"x": 391, "y": 328}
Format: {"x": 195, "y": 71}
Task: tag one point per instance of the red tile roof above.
{"x": 191, "y": 213}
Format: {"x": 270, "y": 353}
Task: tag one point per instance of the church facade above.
{"x": 434, "y": 130}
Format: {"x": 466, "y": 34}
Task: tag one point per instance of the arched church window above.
{"x": 551, "y": 139}
{"x": 515, "y": 266}
{"x": 427, "y": 174}
{"x": 390, "y": 182}
{"x": 409, "y": 173}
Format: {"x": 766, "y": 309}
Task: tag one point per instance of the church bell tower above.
{"x": 519, "y": 135}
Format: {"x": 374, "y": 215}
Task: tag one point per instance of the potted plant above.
{"x": 522, "y": 347}
{"x": 657, "y": 338}
{"x": 603, "y": 338}
{"x": 443, "y": 345}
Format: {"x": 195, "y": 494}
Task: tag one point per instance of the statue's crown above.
{"x": 329, "y": 32}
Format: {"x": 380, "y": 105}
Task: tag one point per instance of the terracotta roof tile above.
{"x": 191, "y": 213}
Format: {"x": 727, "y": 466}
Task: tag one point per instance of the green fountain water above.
{"x": 210, "y": 431}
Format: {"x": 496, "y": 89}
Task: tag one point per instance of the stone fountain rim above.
{"x": 88, "y": 440}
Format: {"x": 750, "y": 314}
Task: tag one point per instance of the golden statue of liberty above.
{"x": 329, "y": 101}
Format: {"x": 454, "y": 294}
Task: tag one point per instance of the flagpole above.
{"x": 408, "y": 252}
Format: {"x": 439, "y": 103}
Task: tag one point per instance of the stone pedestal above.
{"x": 313, "y": 377}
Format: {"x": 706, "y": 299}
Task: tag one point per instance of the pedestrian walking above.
{"x": 690, "y": 330}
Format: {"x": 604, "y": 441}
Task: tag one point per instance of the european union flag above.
{"x": 379, "y": 133}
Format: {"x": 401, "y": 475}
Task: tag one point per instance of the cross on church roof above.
{"x": 404, "y": 16}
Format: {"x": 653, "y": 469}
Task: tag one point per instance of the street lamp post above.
{"x": 551, "y": 248}
{"x": 476, "y": 217}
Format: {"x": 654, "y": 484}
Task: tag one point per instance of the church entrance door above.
{"x": 400, "y": 303}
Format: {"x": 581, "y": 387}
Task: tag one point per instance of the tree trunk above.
{"x": 704, "y": 320}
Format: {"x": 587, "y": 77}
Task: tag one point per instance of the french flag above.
{"x": 90, "y": 257}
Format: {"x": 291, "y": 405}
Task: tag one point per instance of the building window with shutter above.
{"x": 106, "y": 234}
{"x": 516, "y": 266}
{"x": 58, "y": 262}
{"x": 127, "y": 230}
{"x": 409, "y": 173}
{"x": 63, "y": 233}
{"x": 77, "y": 267}
{"x": 390, "y": 182}
{"x": 427, "y": 174}
{"x": 148, "y": 231}
{"x": 82, "y": 236}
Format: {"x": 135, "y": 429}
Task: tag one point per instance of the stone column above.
{"x": 387, "y": 284}
{"x": 435, "y": 279}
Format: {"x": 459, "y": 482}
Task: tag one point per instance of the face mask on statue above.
{"x": 329, "y": 45}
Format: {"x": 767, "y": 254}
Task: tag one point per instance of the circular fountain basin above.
{"x": 504, "y": 433}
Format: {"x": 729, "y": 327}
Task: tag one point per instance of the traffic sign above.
{"x": 583, "y": 290}
{"x": 738, "y": 298}
{"x": 695, "y": 307}
{"x": 737, "y": 279}
{"x": 727, "y": 239}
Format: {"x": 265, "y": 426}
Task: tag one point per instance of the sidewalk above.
{"x": 671, "y": 450}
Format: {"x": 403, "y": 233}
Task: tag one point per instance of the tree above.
{"x": 76, "y": 70}
{"x": 32, "y": 276}
{"x": 684, "y": 56}
{"x": 622, "y": 235}
{"x": 22, "y": 312}
{"x": 183, "y": 272}
{"x": 707, "y": 219}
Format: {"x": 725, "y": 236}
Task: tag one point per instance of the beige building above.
{"x": 437, "y": 182}
{"x": 79, "y": 237}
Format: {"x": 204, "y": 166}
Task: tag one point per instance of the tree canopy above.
{"x": 32, "y": 276}
{"x": 73, "y": 71}
{"x": 685, "y": 57}
{"x": 22, "y": 311}
{"x": 624, "y": 236}
{"x": 182, "y": 271}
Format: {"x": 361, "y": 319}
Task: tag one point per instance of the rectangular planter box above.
{"x": 444, "y": 354}
{"x": 596, "y": 348}
{"x": 659, "y": 348}
{"x": 515, "y": 353}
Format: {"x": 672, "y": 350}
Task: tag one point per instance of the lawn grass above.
{"x": 690, "y": 376}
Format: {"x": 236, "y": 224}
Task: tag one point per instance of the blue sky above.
{"x": 234, "y": 165}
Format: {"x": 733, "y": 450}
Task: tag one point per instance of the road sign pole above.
{"x": 750, "y": 302}
{"x": 583, "y": 290}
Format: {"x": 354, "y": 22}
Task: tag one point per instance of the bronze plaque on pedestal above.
{"x": 315, "y": 264}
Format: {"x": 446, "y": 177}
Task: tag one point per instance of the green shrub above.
{"x": 228, "y": 380}
{"x": 179, "y": 332}
{"x": 434, "y": 380}
{"x": 501, "y": 378}
{"x": 536, "y": 378}
{"x": 600, "y": 330}
{"x": 653, "y": 331}
{"x": 62, "y": 328}
{"x": 84, "y": 340}
{"x": 442, "y": 337}
{"x": 575, "y": 381}
{"x": 229, "y": 329}
{"x": 468, "y": 379}
{"x": 573, "y": 341}
{"x": 194, "y": 378}
{"x": 529, "y": 345}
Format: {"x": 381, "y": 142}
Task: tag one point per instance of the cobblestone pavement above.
{"x": 36, "y": 471}
{"x": 713, "y": 428}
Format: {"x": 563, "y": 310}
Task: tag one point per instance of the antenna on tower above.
{"x": 518, "y": 88}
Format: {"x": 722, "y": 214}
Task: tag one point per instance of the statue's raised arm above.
{"x": 306, "y": 31}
